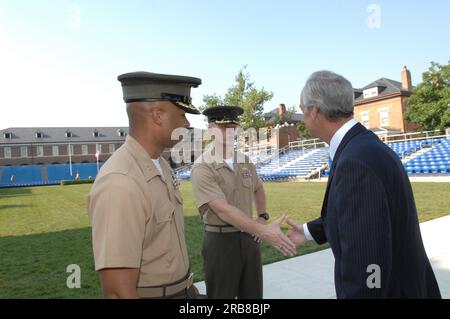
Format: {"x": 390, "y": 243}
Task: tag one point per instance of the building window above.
{"x": 384, "y": 117}
{"x": 112, "y": 148}
{"x": 95, "y": 134}
{"x": 40, "y": 151}
{"x": 23, "y": 151}
{"x": 368, "y": 93}
{"x": 365, "y": 119}
{"x": 121, "y": 133}
{"x": 68, "y": 134}
{"x": 7, "y": 135}
{"x": 39, "y": 135}
{"x": 70, "y": 150}
{"x": 7, "y": 152}
{"x": 55, "y": 150}
{"x": 84, "y": 149}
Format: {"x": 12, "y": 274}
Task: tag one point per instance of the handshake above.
{"x": 286, "y": 243}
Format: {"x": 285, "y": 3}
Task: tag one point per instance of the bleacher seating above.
{"x": 293, "y": 164}
{"x": 33, "y": 174}
{"x": 406, "y": 148}
{"x": 184, "y": 173}
{"x": 433, "y": 158}
{"x": 435, "y": 161}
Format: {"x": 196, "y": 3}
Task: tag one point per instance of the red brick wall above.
{"x": 62, "y": 158}
{"x": 395, "y": 107}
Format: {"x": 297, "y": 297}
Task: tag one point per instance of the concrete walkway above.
{"x": 312, "y": 276}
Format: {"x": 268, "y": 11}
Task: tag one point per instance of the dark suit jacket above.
{"x": 369, "y": 217}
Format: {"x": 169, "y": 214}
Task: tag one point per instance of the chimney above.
{"x": 406, "y": 79}
{"x": 281, "y": 109}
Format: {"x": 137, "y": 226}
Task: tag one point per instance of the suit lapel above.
{"x": 355, "y": 130}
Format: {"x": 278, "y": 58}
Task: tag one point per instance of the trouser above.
{"x": 232, "y": 265}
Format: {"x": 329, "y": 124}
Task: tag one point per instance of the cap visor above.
{"x": 188, "y": 108}
{"x": 226, "y": 122}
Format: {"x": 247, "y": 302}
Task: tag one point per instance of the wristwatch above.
{"x": 264, "y": 215}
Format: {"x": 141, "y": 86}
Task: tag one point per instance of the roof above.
{"x": 58, "y": 134}
{"x": 295, "y": 118}
{"x": 387, "y": 87}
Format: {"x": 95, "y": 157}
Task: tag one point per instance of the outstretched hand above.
{"x": 296, "y": 233}
{"x": 273, "y": 235}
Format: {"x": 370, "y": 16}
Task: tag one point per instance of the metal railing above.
{"x": 412, "y": 136}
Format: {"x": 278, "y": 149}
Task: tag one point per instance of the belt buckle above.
{"x": 190, "y": 280}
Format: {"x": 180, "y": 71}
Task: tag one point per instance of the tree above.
{"x": 429, "y": 104}
{"x": 244, "y": 94}
{"x": 210, "y": 101}
{"x": 303, "y": 131}
{"x": 287, "y": 116}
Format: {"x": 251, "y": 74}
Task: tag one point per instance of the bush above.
{"x": 76, "y": 182}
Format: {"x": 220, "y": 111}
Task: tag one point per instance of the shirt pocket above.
{"x": 164, "y": 214}
{"x": 247, "y": 182}
{"x": 163, "y": 232}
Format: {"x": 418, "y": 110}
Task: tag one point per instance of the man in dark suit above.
{"x": 368, "y": 215}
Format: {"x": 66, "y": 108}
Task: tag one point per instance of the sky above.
{"x": 59, "y": 60}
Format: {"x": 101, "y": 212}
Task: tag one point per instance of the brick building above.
{"x": 58, "y": 145}
{"x": 381, "y": 105}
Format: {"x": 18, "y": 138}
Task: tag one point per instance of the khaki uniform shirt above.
{"x": 137, "y": 217}
{"x": 213, "y": 179}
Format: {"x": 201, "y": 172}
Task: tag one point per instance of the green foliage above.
{"x": 210, "y": 101}
{"x": 243, "y": 93}
{"x": 303, "y": 131}
{"x": 286, "y": 117}
{"x": 428, "y": 105}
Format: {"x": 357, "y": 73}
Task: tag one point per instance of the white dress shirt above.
{"x": 158, "y": 166}
{"x": 229, "y": 162}
{"x": 334, "y": 144}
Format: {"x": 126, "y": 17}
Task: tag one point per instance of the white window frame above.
{"x": 39, "y": 151}
{"x": 363, "y": 115}
{"x": 385, "y": 111}
{"x": 370, "y": 92}
{"x": 7, "y": 152}
{"x": 70, "y": 149}
{"x": 84, "y": 149}
{"x": 112, "y": 148}
{"x": 55, "y": 150}
{"x": 24, "y": 151}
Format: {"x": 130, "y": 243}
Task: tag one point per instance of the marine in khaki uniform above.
{"x": 225, "y": 186}
{"x": 135, "y": 205}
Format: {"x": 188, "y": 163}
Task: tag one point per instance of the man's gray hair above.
{"x": 331, "y": 93}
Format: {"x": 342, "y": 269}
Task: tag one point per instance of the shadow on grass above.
{"x": 14, "y": 192}
{"x": 34, "y": 266}
{"x": 12, "y": 206}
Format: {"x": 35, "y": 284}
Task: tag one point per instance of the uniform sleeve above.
{"x": 117, "y": 209}
{"x": 205, "y": 186}
{"x": 256, "y": 180}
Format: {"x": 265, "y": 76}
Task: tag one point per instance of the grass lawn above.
{"x": 45, "y": 229}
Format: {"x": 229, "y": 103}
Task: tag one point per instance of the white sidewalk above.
{"x": 311, "y": 276}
